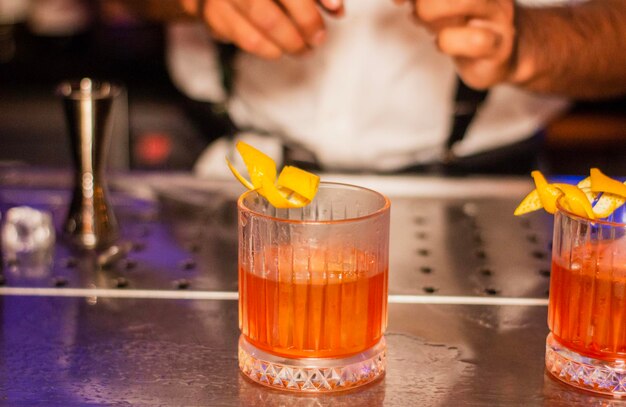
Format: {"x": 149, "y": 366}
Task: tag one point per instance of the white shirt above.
{"x": 376, "y": 95}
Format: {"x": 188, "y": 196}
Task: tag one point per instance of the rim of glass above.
{"x": 572, "y": 215}
{"x": 384, "y": 208}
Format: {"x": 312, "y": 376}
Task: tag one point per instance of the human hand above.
{"x": 479, "y": 34}
{"x": 266, "y": 28}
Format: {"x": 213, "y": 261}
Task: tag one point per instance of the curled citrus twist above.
{"x": 294, "y": 188}
{"x": 595, "y": 197}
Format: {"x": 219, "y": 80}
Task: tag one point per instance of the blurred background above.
{"x": 43, "y": 42}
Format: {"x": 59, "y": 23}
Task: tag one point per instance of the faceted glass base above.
{"x": 584, "y": 372}
{"x": 315, "y": 375}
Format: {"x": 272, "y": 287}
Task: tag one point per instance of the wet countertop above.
{"x": 156, "y": 323}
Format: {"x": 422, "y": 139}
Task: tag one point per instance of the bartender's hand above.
{"x": 478, "y": 34}
{"x": 266, "y": 28}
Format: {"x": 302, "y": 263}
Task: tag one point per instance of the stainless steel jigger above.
{"x": 91, "y": 223}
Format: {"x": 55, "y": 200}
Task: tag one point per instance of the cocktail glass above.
{"x": 586, "y": 346}
{"x": 313, "y": 289}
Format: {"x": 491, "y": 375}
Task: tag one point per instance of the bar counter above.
{"x": 155, "y": 322}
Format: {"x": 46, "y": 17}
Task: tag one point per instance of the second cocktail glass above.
{"x": 586, "y": 346}
{"x": 313, "y": 289}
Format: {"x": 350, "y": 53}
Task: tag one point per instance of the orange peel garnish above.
{"x": 548, "y": 193}
{"x": 607, "y": 204}
{"x": 299, "y": 181}
{"x": 585, "y": 186}
{"x": 576, "y": 201}
{"x": 613, "y": 192}
{"x": 594, "y": 197}
{"x": 603, "y": 183}
{"x": 294, "y": 187}
{"x": 530, "y": 203}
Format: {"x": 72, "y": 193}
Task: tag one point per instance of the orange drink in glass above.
{"x": 586, "y": 346}
{"x": 313, "y": 289}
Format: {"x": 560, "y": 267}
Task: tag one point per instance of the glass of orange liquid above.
{"x": 586, "y": 346}
{"x": 313, "y": 289}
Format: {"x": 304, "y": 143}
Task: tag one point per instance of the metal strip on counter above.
{"x": 233, "y": 296}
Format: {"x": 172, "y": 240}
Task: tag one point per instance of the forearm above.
{"x": 578, "y": 50}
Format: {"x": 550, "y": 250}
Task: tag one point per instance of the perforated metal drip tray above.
{"x": 452, "y": 237}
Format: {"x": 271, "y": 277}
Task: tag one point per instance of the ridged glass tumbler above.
{"x": 313, "y": 289}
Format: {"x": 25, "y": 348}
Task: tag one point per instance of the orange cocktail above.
{"x": 330, "y": 314}
{"x": 587, "y": 309}
{"x": 588, "y": 305}
{"x": 313, "y": 289}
